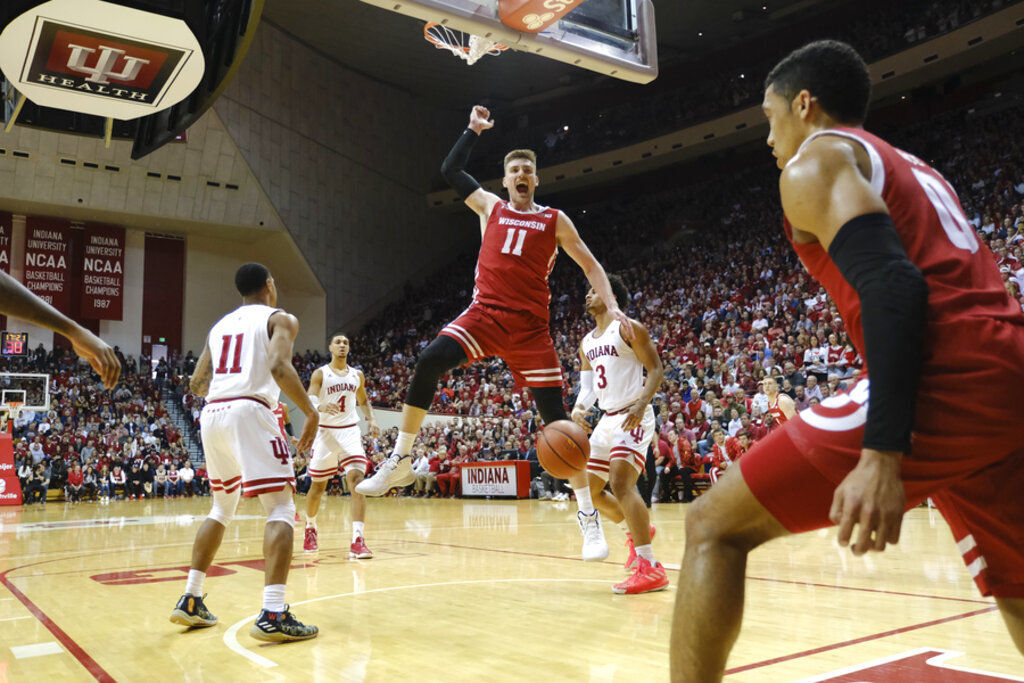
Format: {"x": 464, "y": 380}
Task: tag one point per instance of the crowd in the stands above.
{"x": 94, "y": 444}
{"x": 707, "y": 90}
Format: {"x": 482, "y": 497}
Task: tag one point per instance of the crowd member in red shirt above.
{"x": 76, "y": 480}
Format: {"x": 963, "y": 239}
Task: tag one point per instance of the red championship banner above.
{"x": 5, "y": 242}
{"x": 103, "y": 272}
{"x": 46, "y": 260}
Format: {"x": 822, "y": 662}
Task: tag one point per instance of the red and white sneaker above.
{"x": 645, "y": 579}
{"x": 309, "y": 544}
{"x": 359, "y": 551}
{"x": 631, "y": 559}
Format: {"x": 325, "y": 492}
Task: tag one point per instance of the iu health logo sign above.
{"x": 64, "y": 54}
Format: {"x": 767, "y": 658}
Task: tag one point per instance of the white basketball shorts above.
{"x": 608, "y": 441}
{"x": 244, "y": 447}
{"x": 336, "y": 447}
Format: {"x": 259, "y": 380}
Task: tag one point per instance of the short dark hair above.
{"x": 831, "y": 71}
{"x": 620, "y": 290}
{"x": 251, "y": 278}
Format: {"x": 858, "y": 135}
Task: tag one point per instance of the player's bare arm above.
{"x": 573, "y": 245}
{"x": 316, "y": 382}
{"x": 18, "y": 302}
{"x": 199, "y": 384}
{"x": 454, "y": 167}
{"x": 827, "y": 196}
{"x": 284, "y": 327}
{"x": 364, "y": 404}
{"x": 645, "y": 352}
{"x": 787, "y": 405}
{"x": 585, "y": 397}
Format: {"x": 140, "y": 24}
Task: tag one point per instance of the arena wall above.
{"x": 347, "y": 162}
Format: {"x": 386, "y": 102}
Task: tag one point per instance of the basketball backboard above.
{"x": 613, "y": 37}
{"x": 32, "y": 390}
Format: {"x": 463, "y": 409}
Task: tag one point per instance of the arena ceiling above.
{"x": 389, "y": 47}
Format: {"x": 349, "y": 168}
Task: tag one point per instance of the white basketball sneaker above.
{"x": 594, "y": 546}
{"x": 394, "y": 472}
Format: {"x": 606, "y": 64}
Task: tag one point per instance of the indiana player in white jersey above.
{"x": 245, "y": 364}
{"x": 336, "y": 389}
{"x": 612, "y": 373}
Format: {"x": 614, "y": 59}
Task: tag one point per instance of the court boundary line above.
{"x": 676, "y": 568}
{"x": 69, "y": 643}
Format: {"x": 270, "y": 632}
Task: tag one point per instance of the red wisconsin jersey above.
{"x": 776, "y": 412}
{"x": 963, "y": 279}
{"x": 516, "y": 256}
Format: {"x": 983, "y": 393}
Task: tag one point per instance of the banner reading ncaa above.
{"x": 99, "y": 58}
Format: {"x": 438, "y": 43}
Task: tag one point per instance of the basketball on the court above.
{"x": 563, "y": 449}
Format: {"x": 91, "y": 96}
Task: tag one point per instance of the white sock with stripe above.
{"x": 311, "y": 520}
{"x": 357, "y": 531}
{"x": 646, "y": 552}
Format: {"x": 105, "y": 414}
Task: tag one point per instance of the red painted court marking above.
{"x": 90, "y": 664}
{"x": 857, "y": 641}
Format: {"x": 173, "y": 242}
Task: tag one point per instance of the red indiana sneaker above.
{"x": 631, "y": 559}
{"x": 645, "y": 579}
{"x": 309, "y": 544}
{"x": 359, "y": 551}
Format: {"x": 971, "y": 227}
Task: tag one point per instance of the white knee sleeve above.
{"x": 224, "y": 505}
{"x": 279, "y": 506}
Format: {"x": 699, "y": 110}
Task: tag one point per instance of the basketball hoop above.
{"x": 465, "y": 46}
{"x": 8, "y": 413}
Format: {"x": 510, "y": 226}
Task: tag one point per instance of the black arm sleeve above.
{"x": 894, "y": 306}
{"x": 454, "y": 167}
{"x": 288, "y": 429}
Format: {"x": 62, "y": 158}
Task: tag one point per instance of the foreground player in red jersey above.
{"x": 508, "y": 317}
{"x": 886, "y": 236}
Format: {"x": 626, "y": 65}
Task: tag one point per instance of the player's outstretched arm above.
{"x": 284, "y": 327}
{"x": 826, "y": 196}
{"x": 18, "y": 302}
{"x": 645, "y": 352}
{"x": 364, "y": 404}
{"x": 199, "y": 383}
{"x": 454, "y": 167}
{"x": 569, "y": 240}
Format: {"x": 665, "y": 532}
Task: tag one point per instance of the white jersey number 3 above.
{"x": 950, "y": 215}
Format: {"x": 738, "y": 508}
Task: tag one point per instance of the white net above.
{"x": 465, "y": 46}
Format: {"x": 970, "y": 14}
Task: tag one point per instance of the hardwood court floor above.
{"x": 461, "y": 590}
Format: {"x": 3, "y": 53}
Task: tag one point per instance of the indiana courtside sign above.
{"x": 99, "y": 58}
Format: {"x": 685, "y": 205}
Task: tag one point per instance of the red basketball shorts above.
{"x": 521, "y": 339}
{"x": 967, "y": 454}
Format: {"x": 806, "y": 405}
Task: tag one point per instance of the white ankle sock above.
{"x": 583, "y": 500}
{"x": 194, "y": 585}
{"x": 646, "y": 552}
{"x": 311, "y": 521}
{"x": 403, "y": 444}
{"x": 273, "y": 597}
{"x": 357, "y": 530}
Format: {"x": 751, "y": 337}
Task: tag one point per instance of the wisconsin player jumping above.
{"x": 780, "y": 405}
{"x": 612, "y": 373}
{"x": 336, "y": 389}
{"x": 509, "y": 313}
{"x": 924, "y": 305}
{"x": 246, "y": 454}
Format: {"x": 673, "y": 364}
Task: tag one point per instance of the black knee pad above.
{"x": 440, "y": 356}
